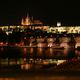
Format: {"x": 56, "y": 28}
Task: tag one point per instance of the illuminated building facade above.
{"x": 62, "y": 29}
{"x": 26, "y": 21}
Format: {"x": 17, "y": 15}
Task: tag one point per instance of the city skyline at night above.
{"x": 39, "y": 39}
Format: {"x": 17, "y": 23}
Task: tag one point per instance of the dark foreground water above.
{"x": 33, "y": 75}
{"x": 41, "y": 78}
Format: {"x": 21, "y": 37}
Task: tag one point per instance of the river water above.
{"x": 42, "y": 78}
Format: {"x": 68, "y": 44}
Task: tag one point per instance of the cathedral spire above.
{"x": 22, "y": 21}
{"x": 27, "y": 15}
{"x": 27, "y": 19}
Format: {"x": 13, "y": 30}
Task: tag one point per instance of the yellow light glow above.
{"x": 58, "y": 24}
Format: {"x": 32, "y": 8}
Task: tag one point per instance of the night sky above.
{"x": 50, "y": 12}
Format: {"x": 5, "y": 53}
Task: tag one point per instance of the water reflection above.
{"x": 30, "y": 52}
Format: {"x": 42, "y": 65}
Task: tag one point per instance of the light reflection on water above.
{"x": 48, "y": 51}
{"x": 38, "y": 51}
{"x": 43, "y": 78}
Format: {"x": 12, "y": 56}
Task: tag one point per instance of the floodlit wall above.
{"x": 68, "y": 29}
{"x": 52, "y": 29}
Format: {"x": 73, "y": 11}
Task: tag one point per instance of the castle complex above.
{"x": 30, "y": 22}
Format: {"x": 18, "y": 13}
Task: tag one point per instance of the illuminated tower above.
{"x": 26, "y": 21}
{"x": 22, "y": 22}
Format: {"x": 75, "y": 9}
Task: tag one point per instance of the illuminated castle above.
{"x": 29, "y": 21}
{"x": 37, "y": 24}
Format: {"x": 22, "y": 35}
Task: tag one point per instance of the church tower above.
{"x": 26, "y": 21}
{"x": 22, "y": 22}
